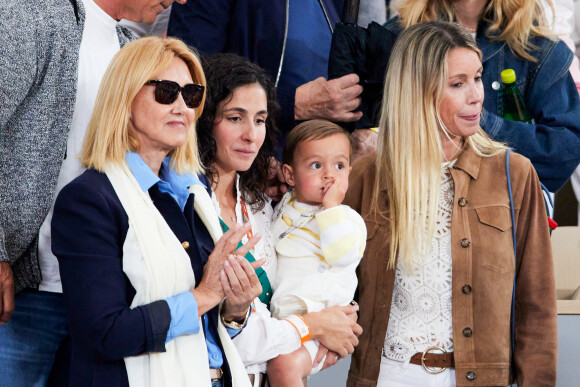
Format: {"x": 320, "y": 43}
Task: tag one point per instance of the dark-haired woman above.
{"x": 237, "y": 138}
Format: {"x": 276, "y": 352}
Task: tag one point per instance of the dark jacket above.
{"x": 89, "y": 227}
{"x": 255, "y": 29}
{"x": 553, "y": 143}
{"x": 481, "y": 217}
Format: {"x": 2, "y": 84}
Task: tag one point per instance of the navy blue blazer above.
{"x": 89, "y": 227}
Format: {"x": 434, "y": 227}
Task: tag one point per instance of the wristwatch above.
{"x": 236, "y": 324}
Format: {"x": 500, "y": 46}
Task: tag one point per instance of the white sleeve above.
{"x": 342, "y": 235}
{"x": 264, "y": 337}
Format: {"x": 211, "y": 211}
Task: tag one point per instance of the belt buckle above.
{"x": 430, "y": 369}
{"x": 220, "y": 374}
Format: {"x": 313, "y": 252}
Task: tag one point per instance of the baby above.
{"x": 319, "y": 242}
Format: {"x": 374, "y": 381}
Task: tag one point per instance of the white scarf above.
{"x": 158, "y": 268}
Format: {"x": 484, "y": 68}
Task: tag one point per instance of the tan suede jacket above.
{"x": 483, "y": 270}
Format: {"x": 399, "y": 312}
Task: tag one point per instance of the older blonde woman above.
{"x": 143, "y": 262}
{"x": 435, "y": 283}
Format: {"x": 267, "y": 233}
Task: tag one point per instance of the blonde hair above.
{"x": 108, "y": 138}
{"x": 409, "y": 153}
{"x": 512, "y": 21}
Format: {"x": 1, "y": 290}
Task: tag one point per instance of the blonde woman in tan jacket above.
{"x": 435, "y": 284}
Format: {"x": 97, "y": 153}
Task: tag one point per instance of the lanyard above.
{"x": 246, "y": 217}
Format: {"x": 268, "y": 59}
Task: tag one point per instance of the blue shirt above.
{"x": 307, "y": 50}
{"x": 183, "y": 306}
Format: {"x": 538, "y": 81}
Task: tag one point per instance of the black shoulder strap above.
{"x": 350, "y": 11}
{"x": 76, "y": 8}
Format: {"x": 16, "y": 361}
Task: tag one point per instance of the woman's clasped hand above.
{"x": 228, "y": 275}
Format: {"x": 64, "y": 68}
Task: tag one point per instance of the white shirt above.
{"x": 98, "y": 46}
{"x": 264, "y": 337}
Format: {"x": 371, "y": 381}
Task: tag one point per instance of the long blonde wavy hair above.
{"x": 512, "y": 21}
{"x": 409, "y": 152}
{"x": 108, "y": 137}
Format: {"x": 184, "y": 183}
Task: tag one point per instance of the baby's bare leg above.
{"x": 290, "y": 370}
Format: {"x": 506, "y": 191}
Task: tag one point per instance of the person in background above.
{"x": 515, "y": 34}
{"x": 157, "y": 28}
{"x": 54, "y": 54}
{"x": 278, "y": 36}
{"x": 562, "y": 23}
{"x": 448, "y": 265}
{"x": 237, "y": 137}
{"x": 319, "y": 241}
{"x": 150, "y": 299}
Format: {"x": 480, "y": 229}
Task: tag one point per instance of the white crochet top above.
{"x": 421, "y": 305}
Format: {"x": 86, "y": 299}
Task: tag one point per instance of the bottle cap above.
{"x": 508, "y": 76}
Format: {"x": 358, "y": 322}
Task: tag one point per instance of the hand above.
{"x": 334, "y": 328}
{"x": 277, "y": 186}
{"x": 210, "y": 292}
{"x": 241, "y": 285}
{"x": 333, "y": 100}
{"x": 333, "y": 194}
{"x": 331, "y": 357}
{"x": 364, "y": 141}
{"x": 6, "y": 293}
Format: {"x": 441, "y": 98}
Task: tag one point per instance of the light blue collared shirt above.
{"x": 183, "y": 306}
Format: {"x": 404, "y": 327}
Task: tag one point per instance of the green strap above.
{"x": 261, "y": 273}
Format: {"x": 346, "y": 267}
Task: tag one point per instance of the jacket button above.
{"x": 470, "y": 375}
{"x": 467, "y": 332}
{"x": 466, "y": 289}
{"x": 465, "y": 242}
{"x": 462, "y": 202}
{"x": 185, "y": 245}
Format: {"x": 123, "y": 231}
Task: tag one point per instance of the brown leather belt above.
{"x": 433, "y": 362}
{"x": 216, "y": 374}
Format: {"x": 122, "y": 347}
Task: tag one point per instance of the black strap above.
{"x": 350, "y": 11}
{"x": 513, "y": 308}
{"x": 76, "y": 9}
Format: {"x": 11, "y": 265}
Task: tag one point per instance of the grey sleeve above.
{"x": 18, "y": 63}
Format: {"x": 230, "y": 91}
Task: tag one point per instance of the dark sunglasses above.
{"x": 166, "y": 92}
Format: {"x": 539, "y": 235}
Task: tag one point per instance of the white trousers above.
{"x": 403, "y": 374}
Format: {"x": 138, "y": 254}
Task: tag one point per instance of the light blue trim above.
{"x": 171, "y": 182}
{"x": 184, "y": 320}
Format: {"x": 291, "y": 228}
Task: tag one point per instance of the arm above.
{"x": 342, "y": 235}
{"x": 17, "y": 72}
{"x": 265, "y": 337}
{"x": 553, "y": 142}
{"x": 536, "y": 325}
{"x": 202, "y": 24}
{"x": 335, "y": 328}
{"x": 89, "y": 228}
{"x": 364, "y": 142}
